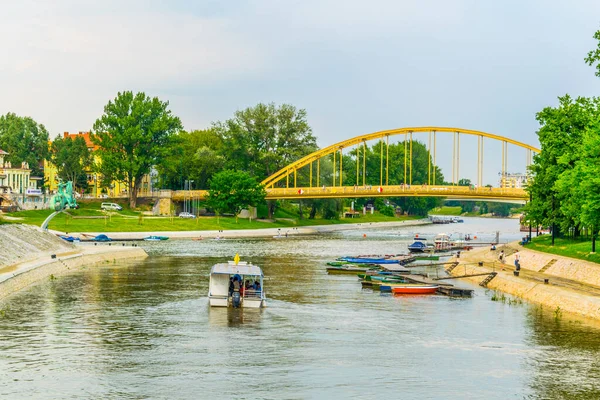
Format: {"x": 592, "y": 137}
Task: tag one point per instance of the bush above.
{"x": 388, "y": 211}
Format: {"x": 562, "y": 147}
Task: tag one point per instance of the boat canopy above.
{"x": 242, "y": 268}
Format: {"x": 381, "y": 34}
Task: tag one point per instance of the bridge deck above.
{"x": 453, "y": 192}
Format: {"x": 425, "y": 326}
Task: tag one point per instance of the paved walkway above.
{"x": 491, "y": 263}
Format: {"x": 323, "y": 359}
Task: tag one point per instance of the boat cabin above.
{"x": 236, "y": 285}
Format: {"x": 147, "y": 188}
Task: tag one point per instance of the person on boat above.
{"x": 231, "y": 286}
{"x": 236, "y": 284}
{"x": 257, "y": 286}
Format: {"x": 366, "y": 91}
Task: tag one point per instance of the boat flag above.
{"x": 236, "y": 259}
{"x": 300, "y": 191}
{"x": 380, "y": 189}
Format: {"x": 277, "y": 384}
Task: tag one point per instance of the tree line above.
{"x": 137, "y": 133}
{"x": 565, "y": 186}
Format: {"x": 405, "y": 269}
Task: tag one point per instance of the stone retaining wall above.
{"x": 551, "y": 296}
{"x": 19, "y": 243}
{"x": 46, "y": 266}
{"x": 564, "y": 267}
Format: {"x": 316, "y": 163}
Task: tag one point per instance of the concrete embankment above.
{"x": 555, "y": 282}
{"x": 29, "y": 255}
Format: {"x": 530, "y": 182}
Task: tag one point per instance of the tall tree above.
{"x": 584, "y": 179}
{"x": 194, "y": 155}
{"x": 133, "y": 135}
{"x": 24, "y": 140}
{"x": 232, "y": 191}
{"x": 71, "y": 157}
{"x": 265, "y": 138}
{"x": 561, "y": 133}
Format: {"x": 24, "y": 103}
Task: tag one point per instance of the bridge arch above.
{"x": 292, "y": 168}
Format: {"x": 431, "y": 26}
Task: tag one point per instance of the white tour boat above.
{"x": 223, "y": 293}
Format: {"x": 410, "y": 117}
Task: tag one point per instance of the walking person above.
{"x": 517, "y": 262}
{"x": 501, "y": 256}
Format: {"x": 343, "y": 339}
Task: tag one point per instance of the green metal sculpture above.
{"x": 63, "y": 199}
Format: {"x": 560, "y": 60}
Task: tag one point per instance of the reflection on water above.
{"x": 220, "y": 317}
{"x": 145, "y": 330}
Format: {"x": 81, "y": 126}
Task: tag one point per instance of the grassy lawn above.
{"x": 575, "y": 248}
{"x": 446, "y": 211}
{"x": 89, "y": 218}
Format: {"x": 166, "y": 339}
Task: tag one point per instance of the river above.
{"x": 144, "y": 330}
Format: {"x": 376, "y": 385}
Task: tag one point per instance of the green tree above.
{"x": 584, "y": 179}
{"x": 232, "y": 191}
{"x": 194, "y": 155}
{"x": 500, "y": 209}
{"x": 71, "y": 158}
{"x": 24, "y": 140}
{"x": 593, "y": 56}
{"x": 133, "y": 135}
{"x": 265, "y": 138}
{"x": 554, "y": 201}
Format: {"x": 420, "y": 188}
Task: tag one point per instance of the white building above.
{"x": 18, "y": 186}
{"x": 513, "y": 180}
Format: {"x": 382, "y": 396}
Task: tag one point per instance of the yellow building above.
{"x": 94, "y": 179}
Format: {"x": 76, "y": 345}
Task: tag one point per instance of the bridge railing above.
{"x": 377, "y": 191}
{"x": 397, "y": 190}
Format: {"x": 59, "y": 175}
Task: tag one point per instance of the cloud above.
{"x": 150, "y": 46}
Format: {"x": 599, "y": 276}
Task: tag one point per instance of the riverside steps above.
{"x": 553, "y": 281}
{"x": 30, "y": 255}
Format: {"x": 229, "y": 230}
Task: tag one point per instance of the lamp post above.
{"x": 190, "y": 196}
{"x": 185, "y": 185}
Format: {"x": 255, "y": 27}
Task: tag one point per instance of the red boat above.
{"x": 414, "y": 289}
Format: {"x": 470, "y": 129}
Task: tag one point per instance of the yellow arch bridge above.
{"x": 283, "y": 184}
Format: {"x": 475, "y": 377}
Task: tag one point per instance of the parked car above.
{"x": 111, "y": 206}
{"x": 186, "y": 214}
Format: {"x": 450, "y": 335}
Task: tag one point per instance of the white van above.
{"x": 111, "y": 206}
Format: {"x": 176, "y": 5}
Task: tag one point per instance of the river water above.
{"x": 143, "y": 329}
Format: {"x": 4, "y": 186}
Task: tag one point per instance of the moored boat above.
{"x": 71, "y": 239}
{"x": 155, "y": 238}
{"x": 101, "y": 238}
{"x": 227, "y": 286}
{"x": 414, "y": 289}
{"x": 419, "y": 245}
{"x": 346, "y": 269}
{"x": 360, "y": 260}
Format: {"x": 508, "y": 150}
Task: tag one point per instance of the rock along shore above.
{"x": 555, "y": 282}
{"x": 29, "y": 255}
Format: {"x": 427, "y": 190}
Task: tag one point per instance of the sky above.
{"x": 357, "y": 67}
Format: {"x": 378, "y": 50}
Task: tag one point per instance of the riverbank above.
{"x": 30, "y": 255}
{"x": 253, "y": 233}
{"x": 561, "y": 284}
